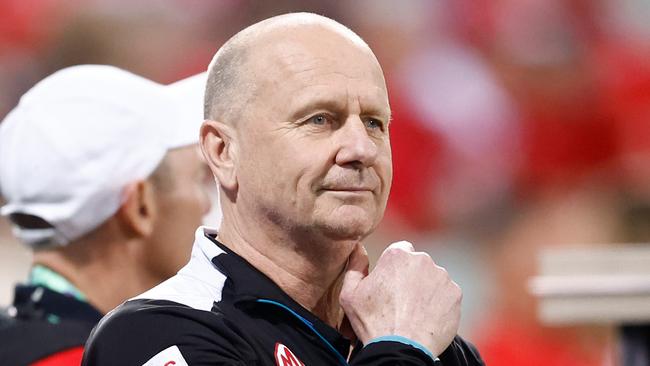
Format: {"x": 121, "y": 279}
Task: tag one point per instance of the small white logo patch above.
{"x": 284, "y": 356}
{"x": 168, "y": 357}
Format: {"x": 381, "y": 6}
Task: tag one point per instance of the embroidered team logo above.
{"x": 284, "y": 356}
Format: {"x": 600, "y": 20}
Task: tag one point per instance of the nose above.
{"x": 356, "y": 147}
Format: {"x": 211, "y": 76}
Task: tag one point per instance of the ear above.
{"x": 220, "y": 152}
{"x": 138, "y": 212}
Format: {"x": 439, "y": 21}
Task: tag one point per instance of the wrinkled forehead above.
{"x": 299, "y": 49}
{"x": 316, "y": 61}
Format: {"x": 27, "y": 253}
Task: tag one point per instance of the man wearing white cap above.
{"x": 103, "y": 179}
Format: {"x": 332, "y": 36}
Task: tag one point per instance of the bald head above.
{"x": 233, "y": 80}
{"x": 297, "y": 131}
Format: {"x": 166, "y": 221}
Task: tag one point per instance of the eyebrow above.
{"x": 338, "y": 106}
{"x": 334, "y": 105}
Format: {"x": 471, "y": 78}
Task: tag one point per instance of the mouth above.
{"x": 348, "y": 189}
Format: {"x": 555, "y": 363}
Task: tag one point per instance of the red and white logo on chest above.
{"x": 284, "y": 356}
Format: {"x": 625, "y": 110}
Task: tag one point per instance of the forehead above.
{"x": 326, "y": 68}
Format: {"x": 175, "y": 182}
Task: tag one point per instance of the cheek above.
{"x": 383, "y": 167}
{"x": 386, "y": 174}
{"x": 276, "y": 164}
{"x": 254, "y": 161}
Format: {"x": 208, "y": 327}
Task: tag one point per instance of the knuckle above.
{"x": 396, "y": 253}
{"x": 443, "y": 274}
{"x": 422, "y": 257}
{"x": 346, "y": 294}
{"x": 345, "y": 298}
{"x": 458, "y": 292}
{"x": 393, "y": 251}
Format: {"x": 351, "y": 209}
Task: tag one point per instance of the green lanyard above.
{"x": 43, "y": 276}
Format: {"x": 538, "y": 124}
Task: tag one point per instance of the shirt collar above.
{"x": 45, "y": 277}
{"x": 41, "y": 302}
{"x": 245, "y": 283}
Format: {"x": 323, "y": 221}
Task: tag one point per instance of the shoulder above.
{"x": 25, "y": 341}
{"x": 179, "y": 318}
{"x": 197, "y": 285}
{"x": 141, "y": 329}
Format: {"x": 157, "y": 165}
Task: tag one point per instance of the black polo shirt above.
{"x": 220, "y": 310}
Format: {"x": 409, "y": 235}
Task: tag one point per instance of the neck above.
{"x": 309, "y": 271}
{"x": 102, "y": 272}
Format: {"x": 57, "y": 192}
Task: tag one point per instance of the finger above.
{"x": 357, "y": 269}
{"x": 403, "y": 245}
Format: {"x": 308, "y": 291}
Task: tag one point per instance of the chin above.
{"x": 348, "y": 222}
{"x": 347, "y": 230}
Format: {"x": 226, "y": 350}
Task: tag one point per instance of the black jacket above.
{"x": 42, "y": 323}
{"x": 220, "y": 310}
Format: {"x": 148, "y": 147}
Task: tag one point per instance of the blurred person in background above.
{"x": 103, "y": 180}
{"x": 587, "y": 215}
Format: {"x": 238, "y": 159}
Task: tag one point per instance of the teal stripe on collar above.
{"x": 43, "y": 276}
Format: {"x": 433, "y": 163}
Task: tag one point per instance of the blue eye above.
{"x": 374, "y": 124}
{"x": 318, "y": 119}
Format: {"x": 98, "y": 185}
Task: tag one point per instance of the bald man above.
{"x": 296, "y": 135}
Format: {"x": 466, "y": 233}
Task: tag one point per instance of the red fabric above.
{"x": 507, "y": 344}
{"x": 625, "y": 76}
{"x": 28, "y": 23}
{"x": 568, "y": 129}
{"x": 561, "y": 149}
{"x": 416, "y": 164}
{"x": 68, "y": 357}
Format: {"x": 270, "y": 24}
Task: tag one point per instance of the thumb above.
{"x": 356, "y": 270}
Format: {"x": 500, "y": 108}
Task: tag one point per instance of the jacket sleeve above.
{"x": 459, "y": 353}
{"x": 390, "y": 353}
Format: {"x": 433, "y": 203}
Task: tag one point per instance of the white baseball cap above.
{"x": 80, "y": 136}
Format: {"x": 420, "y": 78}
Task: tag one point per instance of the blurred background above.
{"x": 518, "y": 125}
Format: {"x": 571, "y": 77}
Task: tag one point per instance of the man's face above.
{"x": 314, "y": 151}
{"x": 181, "y": 201}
